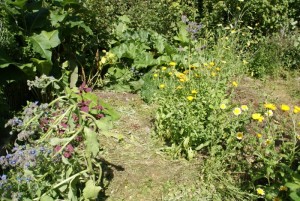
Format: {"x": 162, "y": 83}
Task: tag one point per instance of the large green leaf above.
{"x": 43, "y": 43}
{"x": 18, "y": 3}
{"x": 43, "y": 66}
{"x": 81, "y": 24}
{"x": 56, "y": 17}
{"x": 144, "y": 60}
{"x": 91, "y": 141}
{"x": 91, "y": 191}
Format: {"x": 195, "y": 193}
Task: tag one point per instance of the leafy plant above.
{"x": 57, "y": 153}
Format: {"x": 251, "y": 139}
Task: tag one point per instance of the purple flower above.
{"x": 99, "y": 116}
{"x": 67, "y": 154}
{"x": 69, "y": 148}
{"x": 84, "y": 87}
{"x": 84, "y": 106}
{"x": 85, "y": 109}
{"x": 3, "y": 177}
{"x": 57, "y": 148}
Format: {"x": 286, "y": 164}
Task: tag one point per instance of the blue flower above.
{"x": 32, "y": 152}
{"x": 27, "y": 179}
{"x": 8, "y": 156}
{"x": 3, "y": 177}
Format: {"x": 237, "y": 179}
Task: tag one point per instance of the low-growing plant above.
{"x": 56, "y": 153}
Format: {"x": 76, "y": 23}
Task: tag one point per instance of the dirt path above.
{"x": 137, "y": 169}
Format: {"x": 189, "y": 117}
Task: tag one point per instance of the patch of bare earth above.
{"x": 134, "y": 167}
{"x": 280, "y": 91}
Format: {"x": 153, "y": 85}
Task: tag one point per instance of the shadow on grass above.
{"x": 108, "y": 175}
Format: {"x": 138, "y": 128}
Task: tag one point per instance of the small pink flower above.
{"x": 57, "y": 148}
{"x": 64, "y": 125}
{"x": 85, "y": 109}
{"x": 84, "y": 87}
{"x": 67, "y": 154}
{"x": 69, "y": 148}
{"x": 99, "y": 116}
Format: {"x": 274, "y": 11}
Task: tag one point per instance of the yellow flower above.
{"x": 258, "y": 135}
{"x": 245, "y": 62}
{"x": 244, "y": 107}
{"x": 179, "y": 87}
{"x": 110, "y": 55}
{"x": 218, "y": 69}
{"x": 268, "y": 142}
{"x": 223, "y": 106}
{"x": 172, "y": 63}
{"x": 283, "y": 188}
{"x": 234, "y": 83}
{"x": 213, "y": 74}
{"x": 103, "y": 60}
{"x": 237, "y": 111}
{"x": 164, "y": 68}
{"x": 182, "y": 80}
{"x": 298, "y": 137}
{"x": 258, "y": 117}
{"x": 270, "y": 106}
{"x": 170, "y": 73}
{"x": 194, "y": 92}
{"x": 211, "y": 63}
{"x": 162, "y": 86}
{"x": 180, "y": 75}
{"x": 269, "y": 113}
{"x": 260, "y": 191}
{"x": 233, "y": 31}
{"x": 186, "y": 72}
{"x": 285, "y": 107}
{"x": 239, "y": 135}
{"x": 155, "y": 75}
{"x": 296, "y": 109}
{"x": 190, "y": 98}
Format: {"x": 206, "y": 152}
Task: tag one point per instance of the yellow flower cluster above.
{"x": 283, "y": 107}
{"x": 258, "y": 117}
{"x": 181, "y": 76}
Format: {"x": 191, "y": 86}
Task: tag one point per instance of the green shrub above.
{"x": 160, "y": 16}
{"x": 266, "y": 60}
{"x": 265, "y": 17}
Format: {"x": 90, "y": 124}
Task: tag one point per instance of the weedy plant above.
{"x": 190, "y": 90}
{"x": 56, "y": 153}
{"x": 256, "y": 147}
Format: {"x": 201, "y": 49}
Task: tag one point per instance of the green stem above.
{"x": 62, "y": 182}
{"x": 57, "y": 122}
